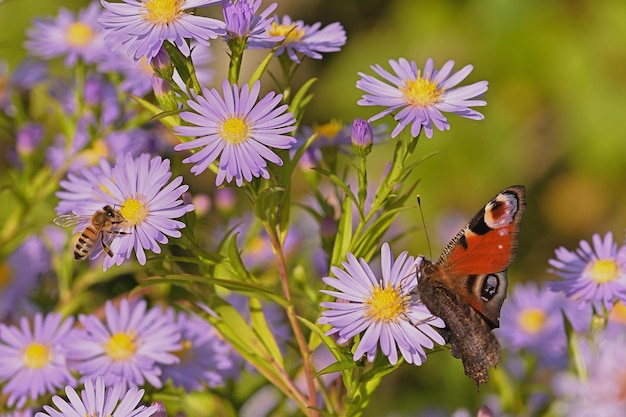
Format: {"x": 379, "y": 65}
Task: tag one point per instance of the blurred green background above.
{"x": 555, "y": 122}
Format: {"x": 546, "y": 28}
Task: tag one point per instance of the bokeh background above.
{"x": 555, "y": 122}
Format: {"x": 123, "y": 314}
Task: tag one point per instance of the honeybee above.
{"x": 102, "y": 223}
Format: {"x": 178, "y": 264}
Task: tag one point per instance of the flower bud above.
{"x": 362, "y": 137}
{"x": 162, "y": 64}
{"x": 164, "y": 94}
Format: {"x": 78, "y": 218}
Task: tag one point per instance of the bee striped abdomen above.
{"x": 86, "y": 242}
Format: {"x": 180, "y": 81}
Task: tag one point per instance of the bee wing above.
{"x": 68, "y": 220}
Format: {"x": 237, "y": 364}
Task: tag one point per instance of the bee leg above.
{"x": 105, "y": 246}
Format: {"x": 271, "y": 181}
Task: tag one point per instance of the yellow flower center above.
{"x": 290, "y": 32}
{"x": 79, "y": 34}
{"x": 162, "y": 12}
{"x": 6, "y": 275}
{"x": 185, "y": 351}
{"x": 603, "y": 271}
{"x": 97, "y": 151}
{"x": 618, "y": 313}
{"x": 121, "y": 346}
{"x": 235, "y": 130}
{"x": 36, "y": 356}
{"x": 134, "y": 211}
{"x": 421, "y": 92}
{"x": 532, "y": 320}
{"x": 329, "y": 130}
{"x": 386, "y": 304}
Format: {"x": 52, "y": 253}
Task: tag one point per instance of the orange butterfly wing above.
{"x": 488, "y": 243}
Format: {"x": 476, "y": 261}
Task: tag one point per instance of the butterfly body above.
{"x": 467, "y": 285}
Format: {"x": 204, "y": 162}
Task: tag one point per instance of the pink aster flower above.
{"x": 73, "y": 37}
{"x": 236, "y": 129}
{"x": 418, "y": 98}
{"x": 33, "y": 360}
{"x": 301, "y": 40}
{"x": 382, "y": 307}
{"x": 99, "y": 401}
{"x": 592, "y": 274}
{"x": 141, "y": 26}
{"x": 129, "y": 347}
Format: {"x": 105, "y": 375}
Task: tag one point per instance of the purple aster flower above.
{"x": 592, "y": 274}
{"x": 237, "y": 129}
{"x": 532, "y": 320}
{"x": 28, "y": 138}
{"x": 602, "y": 393}
{"x": 205, "y": 358}
{"x": 243, "y": 22}
{"x": 78, "y": 188}
{"x": 73, "y": 37}
{"x": 33, "y": 360}
{"x": 384, "y": 307}
{"x": 129, "y": 348}
{"x": 137, "y": 141}
{"x": 135, "y": 75}
{"x": 97, "y": 400}
{"x": 29, "y": 73}
{"x": 146, "y": 199}
{"x": 419, "y": 98}
{"x": 20, "y": 273}
{"x": 141, "y": 26}
{"x": 302, "y": 40}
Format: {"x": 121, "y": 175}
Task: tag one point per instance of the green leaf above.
{"x": 235, "y": 260}
{"x": 266, "y": 202}
{"x": 246, "y": 288}
{"x": 344, "y": 234}
{"x": 236, "y": 331}
{"x": 340, "y": 366}
{"x": 301, "y": 99}
{"x": 366, "y": 244}
{"x": 168, "y": 120}
{"x": 339, "y": 354}
{"x": 262, "y": 329}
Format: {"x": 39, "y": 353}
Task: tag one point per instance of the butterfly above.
{"x": 467, "y": 285}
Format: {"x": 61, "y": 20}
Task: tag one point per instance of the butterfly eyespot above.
{"x": 490, "y": 287}
{"x": 501, "y": 211}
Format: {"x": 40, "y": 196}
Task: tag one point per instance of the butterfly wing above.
{"x": 475, "y": 261}
{"x": 488, "y": 243}
{"x": 467, "y": 285}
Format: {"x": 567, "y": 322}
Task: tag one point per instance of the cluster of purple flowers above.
{"x": 241, "y": 135}
{"x": 132, "y": 346}
{"x": 378, "y": 313}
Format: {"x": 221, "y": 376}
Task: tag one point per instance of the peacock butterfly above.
{"x": 467, "y": 285}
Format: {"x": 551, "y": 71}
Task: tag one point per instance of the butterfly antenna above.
{"x": 419, "y": 204}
